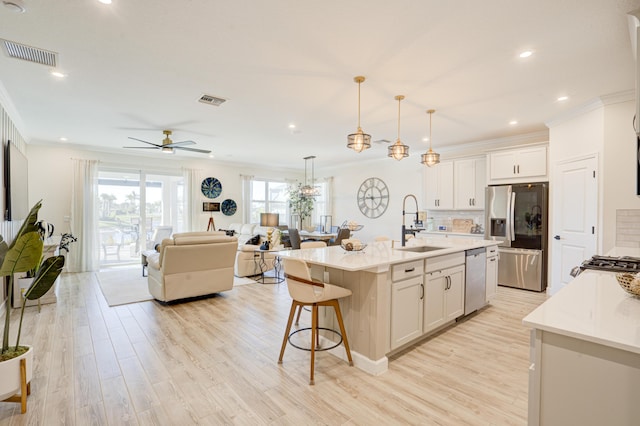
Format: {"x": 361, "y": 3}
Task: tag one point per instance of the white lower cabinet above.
{"x": 491, "y": 282}
{"x": 444, "y": 290}
{"x": 407, "y": 294}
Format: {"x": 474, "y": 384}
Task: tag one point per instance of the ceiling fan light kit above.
{"x": 430, "y": 158}
{"x": 359, "y": 141}
{"x": 398, "y": 150}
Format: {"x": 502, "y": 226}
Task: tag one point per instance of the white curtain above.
{"x": 191, "y": 192}
{"x": 246, "y": 198}
{"x": 83, "y": 254}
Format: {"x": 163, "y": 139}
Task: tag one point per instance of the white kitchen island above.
{"x": 585, "y": 354}
{"x": 380, "y": 276}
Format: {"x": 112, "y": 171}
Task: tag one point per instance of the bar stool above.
{"x": 306, "y": 292}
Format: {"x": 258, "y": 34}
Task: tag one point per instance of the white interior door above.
{"x": 575, "y": 210}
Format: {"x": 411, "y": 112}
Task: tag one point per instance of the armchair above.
{"x": 192, "y": 264}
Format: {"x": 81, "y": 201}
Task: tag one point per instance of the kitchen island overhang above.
{"x": 368, "y": 274}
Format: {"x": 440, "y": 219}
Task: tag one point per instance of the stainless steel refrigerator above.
{"x": 517, "y": 217}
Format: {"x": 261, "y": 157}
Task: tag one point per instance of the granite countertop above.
{"x": 593, "y": 307}
{"x": 379, "y": 255}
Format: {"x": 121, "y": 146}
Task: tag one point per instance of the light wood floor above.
{"x": 214, "y": 362}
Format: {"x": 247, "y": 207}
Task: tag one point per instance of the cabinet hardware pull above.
{"x": 409, "y": 270}
{"x": 514, "y": 169}
{"x": 421, "y": 291}
{"x": 518, "y": 168}
{"x": 492, "y": 260}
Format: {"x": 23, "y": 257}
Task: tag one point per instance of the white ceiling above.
{"x": 138, "y": 67}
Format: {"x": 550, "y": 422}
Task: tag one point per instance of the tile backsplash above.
{"x": 439, "y": 219}
{"x": 628, "y": 228}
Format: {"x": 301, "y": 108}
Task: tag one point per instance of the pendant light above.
{"x": 308, "y": 190}
{"x": 430, "y": 158}
{"x": 359, "y": 141}
{"x": 398, "y": 150}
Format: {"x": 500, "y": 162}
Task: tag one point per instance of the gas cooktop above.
{"x": 613, "y": 264}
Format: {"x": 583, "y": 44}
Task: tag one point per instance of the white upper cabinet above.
{"x": 439, "y": 186}
{"x": 518, "y": 165}
{"x": 470, "y": 180}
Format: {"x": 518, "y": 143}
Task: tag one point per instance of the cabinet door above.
{"x": 532, "y": 162}
{"x": 435, "y": 285}
{"x": 491, "y": 277}
{"x": 454, "y": 293}
{"x": 406, "y": 311}
{"x": 431, "y": 176}
{"x": 469, "y": 183}
{"x": 445, "y": 185}
{"x": 502, "y": 165}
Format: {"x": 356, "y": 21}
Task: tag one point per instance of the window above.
{"x": 268, "y": 197}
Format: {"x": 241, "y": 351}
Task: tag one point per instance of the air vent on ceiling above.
{"x": 211, "y": 100}
{"x": 30, "y": 53}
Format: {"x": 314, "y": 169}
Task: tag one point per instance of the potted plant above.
{"x": 22, "y": 255}
{"x": 299, "y": 204}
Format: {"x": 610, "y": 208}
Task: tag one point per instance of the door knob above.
{"x": 557, "y": 237}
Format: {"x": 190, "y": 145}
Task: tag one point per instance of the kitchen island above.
{"x": 398, "y": 296}
{"x": 585, "y": 353}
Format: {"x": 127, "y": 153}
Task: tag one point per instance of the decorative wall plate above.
{"x": 229, "y": 207}
{"x": 211, "y": 187}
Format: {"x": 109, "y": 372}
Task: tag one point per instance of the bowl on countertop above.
{"x": 629, "y": 283}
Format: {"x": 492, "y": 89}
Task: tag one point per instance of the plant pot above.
{"x": 10, "y": 373}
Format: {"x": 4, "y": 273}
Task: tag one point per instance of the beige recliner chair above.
{"x": 192, "y": 264}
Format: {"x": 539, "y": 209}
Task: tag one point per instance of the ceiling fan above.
{"x": 168, "y": 145}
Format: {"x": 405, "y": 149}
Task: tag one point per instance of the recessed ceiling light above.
{"x": 292, "y": 126}
{"x": 513, "y": 122}
{"x": 425, "y": 139}
{"x": 562, "y": 98}
{"x": 58, "y": 74}
{"x": 63, "y": 139}
{"x": 211, "y": 155}
{"x": 525, "y": 54}
{"x": 105, "y": 1}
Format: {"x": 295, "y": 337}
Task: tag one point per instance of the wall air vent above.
{"x": 30, "y": 53}
{"x": 211, "y": 100}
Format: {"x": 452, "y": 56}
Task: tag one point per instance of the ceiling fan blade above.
{"x": 176, "y": 144}
{"x": 203, "y": 151}
{"x": 140, "y": 140}
{"x": 141, "y": 147}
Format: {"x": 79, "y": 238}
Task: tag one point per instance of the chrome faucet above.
{"x": 404, "y": 228}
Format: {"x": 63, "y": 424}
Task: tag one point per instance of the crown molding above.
{"x": 592, "y": 105}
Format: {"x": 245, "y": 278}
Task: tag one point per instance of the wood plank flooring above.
{"x": 214, "y": 361}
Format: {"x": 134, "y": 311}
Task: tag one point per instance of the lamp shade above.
{"x": 269, "y": 219}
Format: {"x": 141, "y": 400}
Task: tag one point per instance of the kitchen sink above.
{"x": 420, "y": 249}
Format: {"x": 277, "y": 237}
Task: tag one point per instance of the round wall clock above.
{"x": 228, "y": 207}
{"x": 211, "y": 187}
{"x": 373, "y": 197}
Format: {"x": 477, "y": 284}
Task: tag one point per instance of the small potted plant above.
{"x": 22, "y": 255}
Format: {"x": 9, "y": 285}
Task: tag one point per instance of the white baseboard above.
{"x": 373, "y": 367}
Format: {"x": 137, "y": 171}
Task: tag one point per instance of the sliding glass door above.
{"x": 134, "y": 207}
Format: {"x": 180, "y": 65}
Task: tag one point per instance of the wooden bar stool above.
{"x": 306, "y": 292}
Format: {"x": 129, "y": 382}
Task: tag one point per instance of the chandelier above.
{"x": 359, "y": 141}
{"x": 430, "y": 158}
{"x": 309, "y": 190}
{"x": 398, "y": 150}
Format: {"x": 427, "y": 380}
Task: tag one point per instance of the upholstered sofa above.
{"x": 247, "y": 259}
{"x": 192, "y": 264}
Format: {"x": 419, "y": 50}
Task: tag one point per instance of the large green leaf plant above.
{"x": 22, "y": 255}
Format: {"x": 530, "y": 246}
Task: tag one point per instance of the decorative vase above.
{"x": 10, "y": 373}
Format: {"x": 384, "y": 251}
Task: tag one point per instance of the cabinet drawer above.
{"x": 443, "y": 262}
{"x": 492, "y": 251}
{"x": 402, "y": 271}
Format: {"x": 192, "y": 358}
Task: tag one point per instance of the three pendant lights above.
{"x": 359, "y": 141}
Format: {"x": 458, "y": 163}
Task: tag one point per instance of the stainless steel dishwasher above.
{"x": 475, "y": 283}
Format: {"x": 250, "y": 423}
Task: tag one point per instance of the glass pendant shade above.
{"x": 430, "y": 158}
{"x": 359, "y": 141}
{"x": 398, "y": 150}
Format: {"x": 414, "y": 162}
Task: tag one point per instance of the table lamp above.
{"x": 269, "y": 220}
